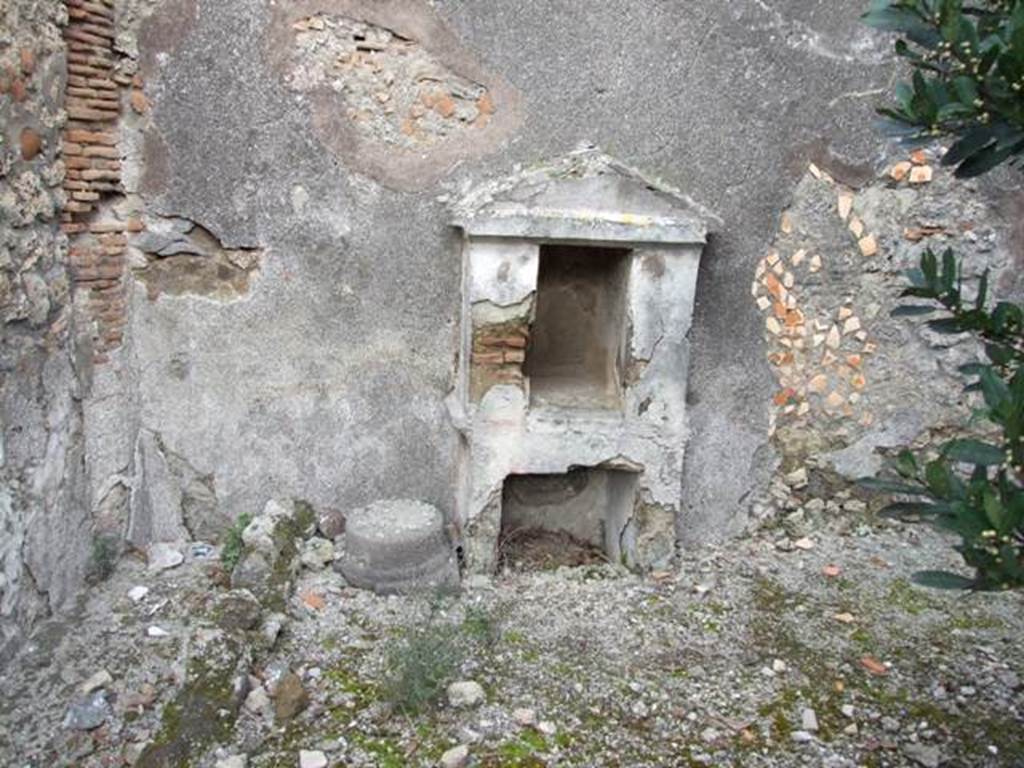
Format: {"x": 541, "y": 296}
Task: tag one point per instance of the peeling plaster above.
{"x": 183, "y": 257}
{"x": 358, "y": 146}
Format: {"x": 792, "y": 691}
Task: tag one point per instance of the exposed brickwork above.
{"x": 93, "y": 161}
{"x": 499, "y": 352}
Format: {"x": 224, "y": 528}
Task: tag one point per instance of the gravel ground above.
{"x": 759, "y": 653}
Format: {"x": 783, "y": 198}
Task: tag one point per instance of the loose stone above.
{"x": 163, "y": 556}
{"x": 524, "y": 716}
{"x": 136, "y": 594}
{"x": 465, "y": 694}
{"x": 99, "y": 680}
{"x": 456, "y": 757}
{"x": 290, "y": 698}
{"x": 809, "y": 720}
{"x": 547, "y": 728}
{"x": 87, "y": 713}
{"x": 926, "y": 755}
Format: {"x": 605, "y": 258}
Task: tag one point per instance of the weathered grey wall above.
{"x": 290, "y": 324}
{"x": 45, "y": 532}
{"x": 326, "y": 379}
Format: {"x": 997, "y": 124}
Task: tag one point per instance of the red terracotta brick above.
{"x": 31, "y": 143}
{"x": 75, "y": 32}
{"x": 445, "y": 106}
{"x": 92, "y": 137}
{"x": 139, "y": 102}
{"x": 91, "y": 115}
{"x": 19, "y": 91}
{"x": 106, "y": 227}
{"x": 27, "y": 59}
{"x": 488, "y": 358}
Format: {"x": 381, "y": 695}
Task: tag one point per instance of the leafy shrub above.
{"x": 233, "y": 547}
{"x": 968, "y": 80}
{"x": 481, "y": 625}
{"x": 422, "y": 664}
{"x": 424, "y": 660}
{"x": 105, "y": 551}
{"x": 974, "y": 487}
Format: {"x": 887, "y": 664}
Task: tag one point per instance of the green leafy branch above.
{"x": 968, "y": 80}
{"x": 973, "y": 488}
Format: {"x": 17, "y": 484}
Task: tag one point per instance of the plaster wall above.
{"x": 322, "y": 371}
{"x": 326, "y": 380}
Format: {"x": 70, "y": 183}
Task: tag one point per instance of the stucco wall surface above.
{"x": 326, "y": 380}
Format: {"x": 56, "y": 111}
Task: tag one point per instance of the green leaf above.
{"x": 972, "y": 369}
{"x": 982, "y": 162}
{"x": 999, "y": 354}
{"x": 900, "y": 509}
{"x": 967, "y": 91}
{"x": 930, "y": 268}
{"x": 906, "y": 464}
{"x": 995, "y": 390}
{"x": 979, "y": 302}
{"x": 892, "y": 19}
{"x": 941, "y": 481}
{"x": 950, "y": 269}
{"x": 994, "y": 510}
{"x": 912, "y": 310}
{"x": 947, "y": 325}
{"x": 885, "y": 485}
{"x": 969, "y": 144}
{"x": 942, "y": 580}
{"x": 974, "y": 452}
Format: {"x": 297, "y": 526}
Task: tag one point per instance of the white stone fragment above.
{"x": 524, "y": 716}
{"x": 99, "y": 680}
{"x": 456, "y": 757}
{"x": 809, "y": 720}
{"x": 163, "y": 556}
{"x": 547, "y": 728}
{"x": 465, "y": 694}
{"x": 135, "y": 594}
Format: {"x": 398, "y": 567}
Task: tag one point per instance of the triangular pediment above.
{"x": 586, "y": 195}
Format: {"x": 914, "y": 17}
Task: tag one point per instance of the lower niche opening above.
{"x": 570, "y": 519}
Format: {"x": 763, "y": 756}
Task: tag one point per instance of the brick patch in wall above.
{"x": 92, "y": 157}
{"x": 499, "y": 351}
